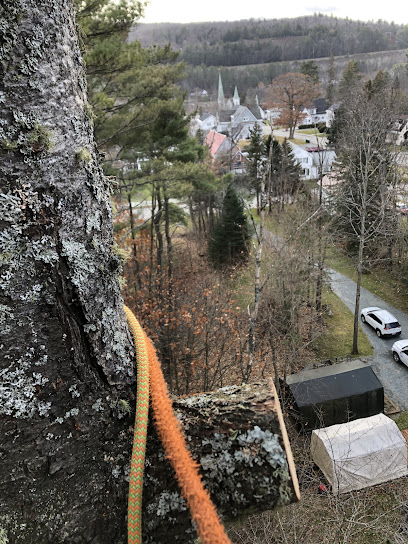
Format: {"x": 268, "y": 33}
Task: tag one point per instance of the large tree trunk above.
{"x": 65, "y": 356}
{"x": 66, "y": 360}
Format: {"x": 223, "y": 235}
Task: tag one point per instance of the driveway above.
{"x": 393, "y": 376}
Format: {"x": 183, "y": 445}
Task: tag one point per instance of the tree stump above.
{"x": 239, "y": 440}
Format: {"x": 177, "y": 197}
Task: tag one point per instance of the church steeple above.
{"x": 237, "y": 100}
{"x": 221, "y": 98}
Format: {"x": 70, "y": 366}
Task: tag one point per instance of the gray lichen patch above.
{"x": 256, "y": 447}
{"x": 25, "y": 134}
{"x": 3, "y": 536}
{"x": 167, "y": 504}
{"x": 82, "y": 264}
{"x": 238, "y": 454}
{"x": 93, "y": 222}
{"x": 18, "y": 387}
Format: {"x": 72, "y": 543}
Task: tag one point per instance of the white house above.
{"x": 313, "y": 160}
{"x": 330, "y": 114}
{"x": 399, "y": 130}
{"x": 272, "y": 115}
{"x": 316, "y": 113}
{"x": 207, "y": 121}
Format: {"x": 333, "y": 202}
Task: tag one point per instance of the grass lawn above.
{"x": 312, "y": 131}
{"x": 243, "y": 143}
{"x": 337, "y": 339}
{"x": 293, "y": 140}
{"x": 381, "y": 282}
{"x": 402, "y": 421}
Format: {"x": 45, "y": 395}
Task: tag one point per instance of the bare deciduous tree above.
{"x": 367, "y": 167}
{"x": 291, "y": 93}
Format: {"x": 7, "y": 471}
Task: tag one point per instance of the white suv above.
{"x": 400, "y": 351}
{"x": 384, "y": 323}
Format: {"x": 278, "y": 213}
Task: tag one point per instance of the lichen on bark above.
{"x": 65, "y": 347}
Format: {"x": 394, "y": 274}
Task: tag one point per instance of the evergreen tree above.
{"x": 285, "y": 172}
{"x": 290, "y": 170}
{"x": 129, "y": 87}
{"x": 331, "y": 75}
{"x": 337, "y": 123}
{"x": 350, "y": 79}
{"x": 256, "y": 153}
{"x": 276, "y": 162}
{"x": 256, "y": 156}
{"x": 380, "y": 83}
{"x": 311, "y": 69}
{"x": 229, "y": 238}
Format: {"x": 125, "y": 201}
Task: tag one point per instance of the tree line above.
{"x": 277, "y": 40}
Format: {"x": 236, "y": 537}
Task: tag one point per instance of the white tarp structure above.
{"x": 360, "y": 453}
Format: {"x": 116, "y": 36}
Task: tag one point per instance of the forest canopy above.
{"x": 257, "y": 41}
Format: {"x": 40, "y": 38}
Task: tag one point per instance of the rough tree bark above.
{"x": 66, "y": 361}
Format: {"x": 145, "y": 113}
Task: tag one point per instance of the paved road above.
{"x": 393, "y": 376}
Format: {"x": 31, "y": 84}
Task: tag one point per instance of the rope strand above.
{"x": 140, "y": 432}
{"x": 209, "y": 527}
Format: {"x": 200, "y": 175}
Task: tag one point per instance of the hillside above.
{"x": 274, "y": 40}
{"x": 254, "y": 76}
{"x": 254, "y": 51}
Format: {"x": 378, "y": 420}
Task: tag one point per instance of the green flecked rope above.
{"x": 140, "y": 432}
{"x": 203, "y": 512}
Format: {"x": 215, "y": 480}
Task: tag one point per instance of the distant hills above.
{"x": 269, "y": 46}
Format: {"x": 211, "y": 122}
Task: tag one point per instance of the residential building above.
{"x": 315, "y": 113}
{"x": 330, "y": 114}
{"x": 399, "y": 130}
{"x": 217, "y": 144}
{"x": 314, "y": 161}
{"x": 224, "y": 150}
{"x": 207, "y": 121}
{"x": 239, "y": 122}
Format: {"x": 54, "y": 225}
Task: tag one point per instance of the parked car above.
{"x": 400, "y": 351}
{"x": 402, "y": 207}
{"x": 382, "y": 321}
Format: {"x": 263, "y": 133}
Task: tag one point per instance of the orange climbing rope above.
{"x": 209, "y": 527}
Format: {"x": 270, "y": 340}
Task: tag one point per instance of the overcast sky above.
{"x": 187, "y": 11}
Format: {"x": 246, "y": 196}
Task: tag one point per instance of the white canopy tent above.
{"x": 360, "y": 453}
